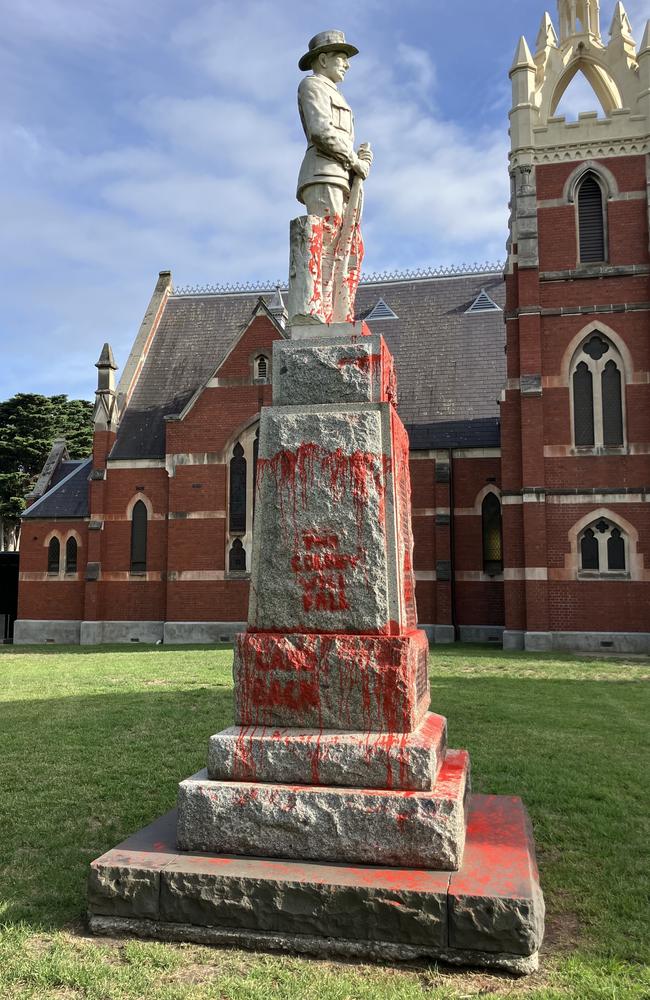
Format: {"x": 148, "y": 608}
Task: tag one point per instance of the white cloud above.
{"x": 195, "y": 168}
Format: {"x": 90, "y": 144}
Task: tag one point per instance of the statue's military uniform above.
{"x": 329, "y": 127}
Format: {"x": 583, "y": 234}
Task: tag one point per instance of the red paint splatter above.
{"x": 298, "y": 473}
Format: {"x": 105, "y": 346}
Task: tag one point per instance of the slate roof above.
{"x": 68, "y": 497}
{"x": 450, "y": 364}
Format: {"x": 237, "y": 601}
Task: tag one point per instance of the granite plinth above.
{"x": 332, "y": 549}
{"x": 317, "y": 823}
{"x": 406, "y": 761}
{"x": 333, "y": 369}
{"x": 357, "y": 683}
{"x": 146, "y": 887}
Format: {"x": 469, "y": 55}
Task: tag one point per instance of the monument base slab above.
{"x": 405, "y": 761}
{"x": 489, "y": 913}
{"x": 334, "y": 824}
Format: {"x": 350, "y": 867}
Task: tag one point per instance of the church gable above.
{"x": 244, "y": 360}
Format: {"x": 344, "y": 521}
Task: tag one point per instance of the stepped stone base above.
{"x": 406, "y": 761}
{"x": 316, "y": 823}
{"x": 489, "y": 913}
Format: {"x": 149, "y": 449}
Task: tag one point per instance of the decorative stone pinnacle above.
{"x": 523, "y": 57}
{"x": 620, "y": 23}
{"x": 547, "y": 37}
{"x": 106, "y": 358}
{"x": 645, "y": 41}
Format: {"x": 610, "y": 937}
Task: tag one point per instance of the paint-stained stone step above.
{"x": 316, "y": 823}
{"x": 405, "y": 761}
{"x": 489, "y": 913}
{"x": 358, "y": 683}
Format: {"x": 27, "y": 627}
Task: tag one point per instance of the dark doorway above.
{"x": 8, "y": 594}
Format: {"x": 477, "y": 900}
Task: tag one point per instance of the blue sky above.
{"x": 137, "y": 136}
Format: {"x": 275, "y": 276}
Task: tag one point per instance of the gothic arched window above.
{"x": 53, "y": 555}
{"x": 597, "y": 382}
{"x": 71, "y": 555}
{"x": 591, "y": 220}
{"x": 492, "y": 535}
{"x": 242, "y": 470}
{"x": 237, "y": 494}
{"x": 139, "y": 519}
{"x": 237, "y": 557}
{"x": 261, "y": 368}
{"x": 603, "y": 548}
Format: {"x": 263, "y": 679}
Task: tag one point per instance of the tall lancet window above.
{"x": 591, "y": 221}
{"x": 492, "y": 535}
{"x": 53, "y": 555}
{"x": 71, "y": 555}
{"x": 139, "y": 519}
{"x": 237, "y": 499}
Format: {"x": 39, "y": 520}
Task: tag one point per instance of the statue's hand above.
{"x": 363, "y": 160}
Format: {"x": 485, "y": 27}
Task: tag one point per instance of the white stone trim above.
{"x": 155, "y": 576}
{"x": 476, "y": 452}
{"x": 425, "y": 574}
{"x": 590, "y": 498}
{"x": 197, "y": 575}
{"x": 197, "y": 515}
{"x": 130, "y": 507}
{"x": 525, "y": 573}
{"x": 136, "y": 463}
{"x": 477, "y": 576}
{"x": 436, "y": 455}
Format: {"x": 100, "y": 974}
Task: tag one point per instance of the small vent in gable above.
{"x": 483, "y": 303}
{"x": 381, "y": 311}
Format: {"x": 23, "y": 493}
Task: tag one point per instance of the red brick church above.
{"x": 527, "y": 404}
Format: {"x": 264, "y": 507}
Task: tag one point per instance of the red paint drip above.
{"x": 297, "y": 474}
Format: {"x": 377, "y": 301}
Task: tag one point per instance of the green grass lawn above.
{"x": 93, "y": 744}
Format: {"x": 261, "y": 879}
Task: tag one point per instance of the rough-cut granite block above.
{"x": 366, "y": 913}
{"x": 352, "y": 682}
{"x": 407, "y": 761}
{"x": 333, "y": 369}
{"x": 332, "y": 548}
{"x": 314, "y": 823}
{"x": 495, "y": 902}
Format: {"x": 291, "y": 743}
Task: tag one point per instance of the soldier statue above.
{"x": 326, "y": 245}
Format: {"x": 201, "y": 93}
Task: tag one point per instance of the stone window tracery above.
{"x": 597, "y": 395}
{"x": 603, "y": 549}
{"x": 241, "y": 500}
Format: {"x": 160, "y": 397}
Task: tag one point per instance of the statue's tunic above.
{"x": 329, "y": 127}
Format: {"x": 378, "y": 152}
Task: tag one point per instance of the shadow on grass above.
{"x": 82, "y": 773}
{"x": 125, "y": 647}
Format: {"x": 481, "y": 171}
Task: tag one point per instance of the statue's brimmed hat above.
{"x": 326, "y": 41}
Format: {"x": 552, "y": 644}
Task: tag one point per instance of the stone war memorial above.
{"x": 332, "y": 818}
